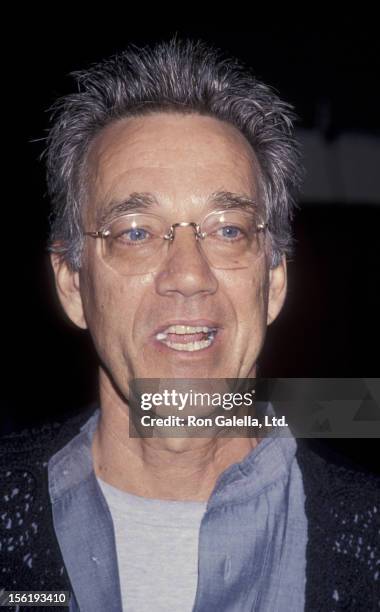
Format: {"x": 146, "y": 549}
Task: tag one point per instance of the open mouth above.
{"x": 187, "y": 337}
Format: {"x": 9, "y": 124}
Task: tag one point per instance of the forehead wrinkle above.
{"x": 107, "y": 176}
{"x": 111, "y": 143}
{"x": 242, "y": 183}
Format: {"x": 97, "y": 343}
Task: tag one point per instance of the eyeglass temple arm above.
{"x": 99, "y": 234}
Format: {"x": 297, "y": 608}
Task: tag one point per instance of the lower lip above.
{"x": 164, "y": 348}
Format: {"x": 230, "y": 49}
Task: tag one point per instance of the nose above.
{"x": 185, "y": 269}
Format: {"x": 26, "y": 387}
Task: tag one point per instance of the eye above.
{"x": 230, "y": 232}
{"x": 135, "y": 234}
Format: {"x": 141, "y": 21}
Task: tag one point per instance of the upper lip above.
{"x": 191, "y": 323}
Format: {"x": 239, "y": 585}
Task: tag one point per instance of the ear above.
{"x": 277, "y": 290}
{"x": 67, "y": 285}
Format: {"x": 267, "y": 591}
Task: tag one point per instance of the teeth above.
{"x": 181, "y": 330}
{"x": 186, "y": 329}
{"x": 190, "y": 346}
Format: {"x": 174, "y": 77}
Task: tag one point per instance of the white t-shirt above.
{"x": 157, "y": 550}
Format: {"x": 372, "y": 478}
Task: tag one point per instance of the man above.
{"x": 173, "y": 175}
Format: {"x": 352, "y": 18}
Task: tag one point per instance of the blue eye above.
{"x": 230, "y": 231}
{"x": 136, "y": 234}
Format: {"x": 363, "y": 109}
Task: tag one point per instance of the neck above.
{"x": 182, "y": 469}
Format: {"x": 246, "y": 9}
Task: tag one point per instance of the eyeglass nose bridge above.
{"x": 197, "y": 230}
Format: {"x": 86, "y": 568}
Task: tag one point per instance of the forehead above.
{"x": 180, "y": 159}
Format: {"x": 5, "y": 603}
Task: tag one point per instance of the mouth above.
{"x": 187, "y": 337}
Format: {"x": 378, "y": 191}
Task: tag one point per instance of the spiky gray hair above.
{"x": 181, "y": 76}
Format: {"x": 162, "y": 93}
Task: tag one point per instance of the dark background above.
{"x": 329, "y": 326}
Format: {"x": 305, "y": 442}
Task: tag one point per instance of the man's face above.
{"x": 181, "y": 160}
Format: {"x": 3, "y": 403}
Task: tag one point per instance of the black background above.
{"x": 329, "y": 326}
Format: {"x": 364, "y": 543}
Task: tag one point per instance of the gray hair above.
{"x": 182, "y": 76}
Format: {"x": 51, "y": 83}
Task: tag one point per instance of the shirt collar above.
{"x": 269, "y": 461}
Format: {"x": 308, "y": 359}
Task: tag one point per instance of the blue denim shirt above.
{"x": 252, "y": 541}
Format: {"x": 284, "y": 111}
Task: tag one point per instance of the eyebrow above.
{"x": 143, "y": 201}
{"x": 228, "y": 199}
{"x": 135, "y": 202}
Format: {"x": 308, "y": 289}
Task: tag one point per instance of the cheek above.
{"x": 250, "y": 295}
{"x": 110, "y": 305}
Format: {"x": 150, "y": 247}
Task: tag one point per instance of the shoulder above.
{"x": 336, "y": 476}
{"x": 43, "y": 439}
{"x": 343, "y": 512}
{"x": 29, "y": 551}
